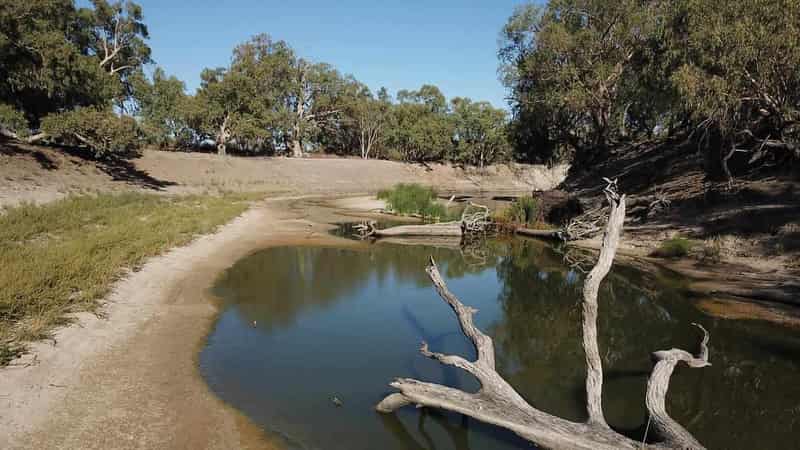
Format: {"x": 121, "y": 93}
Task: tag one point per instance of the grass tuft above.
{"x": 63, "y": 257}
{"x": 676, "y": 247}
{"x": 413, "y": 199}
{"x": 523, "y": 210}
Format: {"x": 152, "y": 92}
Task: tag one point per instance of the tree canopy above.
{"x": 587, "y": 74}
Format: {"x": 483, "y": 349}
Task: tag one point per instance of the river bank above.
{"x": 128, "y": 378}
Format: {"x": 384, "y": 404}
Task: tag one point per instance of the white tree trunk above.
{"x": 498, "y": 403}
{"x": 222, "y": 137}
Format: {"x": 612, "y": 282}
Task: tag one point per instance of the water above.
{"x": 301, "y": 325}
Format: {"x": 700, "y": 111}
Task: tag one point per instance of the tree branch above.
{"x": 499, "y": 404}
{"x": 594, "y": 365}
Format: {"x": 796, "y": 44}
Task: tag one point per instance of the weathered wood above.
{"x": 434, "y": 229}
{"x": 658, "y": 384}
{"x": 556, "y": 235}
{"x": 594, "y": 375}
{"x": 474, "y": 219}
{"x": 499, "y": 404}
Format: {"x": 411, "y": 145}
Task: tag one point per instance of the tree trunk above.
{"x": 499, "y": 404}
{"x": 436, "y": 229}
{"x": 297, "y": 148}
{"x": 300, "y": 115}
{"x": 222, "y": 137}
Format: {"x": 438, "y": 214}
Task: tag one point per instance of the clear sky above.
{"x": 399, "y": 44}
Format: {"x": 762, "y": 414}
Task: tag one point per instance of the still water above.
{"x": 301, "y": 325}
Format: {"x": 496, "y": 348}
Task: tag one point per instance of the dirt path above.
{"x": 130, "y": 379}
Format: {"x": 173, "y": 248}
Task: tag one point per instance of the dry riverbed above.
{"x": 129, "y": 378}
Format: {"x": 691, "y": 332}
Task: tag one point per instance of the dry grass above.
{"x": 676, "y": 247}
{"x": 63, "y": 257}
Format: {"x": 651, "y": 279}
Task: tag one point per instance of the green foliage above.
{"x": 413, "y": 199}
{"x": 420, "y": 133}
{"x": 365, "y": 123}
{"x": 62, "y": 257}
{"x": 13, "y": 120}
{"x": 523, "y": 210}
{"x": 481, "y": 135}
{"x": 103, "y": 132}
{"x": 736, "y": 72}
{"x": 586, "y": 74}
{"x": 163, "y": 107}
{"x": 52, "y": 56}
{"x": 566, "y": 63}
{"x": 675, "y": 247}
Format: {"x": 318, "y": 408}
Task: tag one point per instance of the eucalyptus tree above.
{"x": 46, "y": 64}
{"x": 481, "y": 134}
{"x": 162, "y": 105}
{"x": 63, "y": 68}
{"x": 427, "y": 95}
{"x": 567, "y": 61}
{"x": 220, "y": 109}
{"x": 117, "y": 36}
{"x": 421, "y": 128}
{"x": 737, "y": 77}
{"x": 365, "y": 121}
{"x": 315, "y": 101}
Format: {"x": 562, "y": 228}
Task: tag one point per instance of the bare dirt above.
{"x": 753, "y": 222}
{"x": 128, "y": 377}
{"x": 41, "y": 174}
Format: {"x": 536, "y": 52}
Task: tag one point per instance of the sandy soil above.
{"x": 42, "y": 174}
{"x": 129, "y": 379}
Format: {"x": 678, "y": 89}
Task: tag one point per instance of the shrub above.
{"x": 102, "y": 131}
{"x": 413, "y": 199}
{"x": 523, "y": 210}
{"x": 12, "y": 120}
{"x": 676, "y": 247}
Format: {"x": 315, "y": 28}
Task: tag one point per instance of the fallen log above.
{"x": 434, "y": 229}
{"x": 557, "y": 235}
{"x": 474, "y": 219}
{"x": 498, "y": 403}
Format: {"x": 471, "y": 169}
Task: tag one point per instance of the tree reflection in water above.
{"x": 344, "y": 322}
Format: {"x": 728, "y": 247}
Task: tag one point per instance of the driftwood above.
{"x": 433, "y": 229}
{"x": 499, "y": 404}
{"x": 557, "y": 235}
{"x": 474, "y": 219}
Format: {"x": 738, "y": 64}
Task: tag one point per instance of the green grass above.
{"x": 414, "y": 199}
{"x": 523, "y": 210}
{"x": 63, "y": 257}
{"x": 676, "y": 247}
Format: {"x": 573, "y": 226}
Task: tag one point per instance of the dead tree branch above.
{"x": 499, "y": 404}
{"x": 474, "y": 220}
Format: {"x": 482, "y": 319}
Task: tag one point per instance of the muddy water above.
{"x": 303, "y": 325}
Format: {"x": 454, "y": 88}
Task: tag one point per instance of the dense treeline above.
{"x": 586, "y": 75}
{"x": 63, "y": 69}
{"x": 76, "y": 76}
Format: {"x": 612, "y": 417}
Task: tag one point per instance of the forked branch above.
{"x": 499, "y": 404}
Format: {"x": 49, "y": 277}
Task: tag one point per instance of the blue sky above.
{"x": 398, "y": 44}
